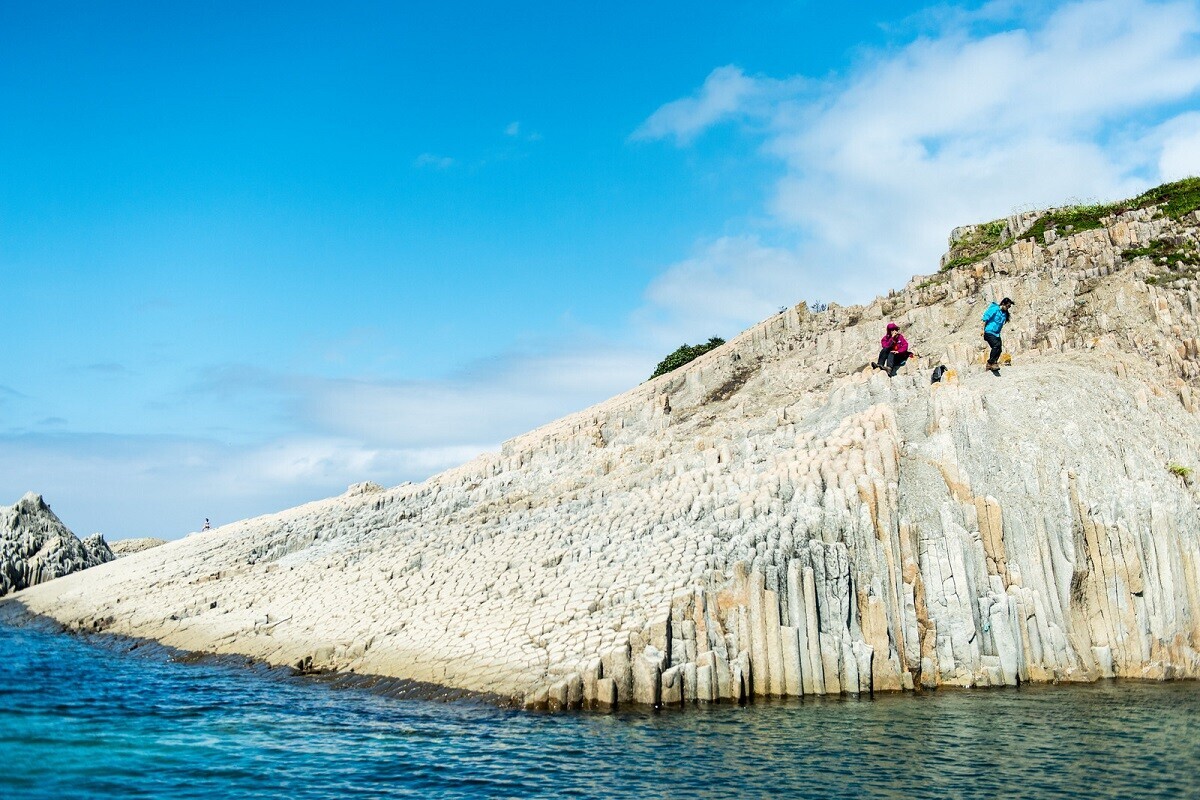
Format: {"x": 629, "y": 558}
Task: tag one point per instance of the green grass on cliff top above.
{"x": 1176, "y": 199}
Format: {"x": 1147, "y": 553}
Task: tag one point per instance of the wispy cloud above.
{"x": 726, "y": 284}
{"x": 1179, "y": 147}
{"x": 432, "y": 161}
{"x": 517, "y": 131}
{"x": 728, "y": 93}
{"x": 481, "y": 405}
{"x": 487, "y": 403}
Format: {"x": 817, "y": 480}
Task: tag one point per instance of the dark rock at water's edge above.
{"x": 35, "y": 546}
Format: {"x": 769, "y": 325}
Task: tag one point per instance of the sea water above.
{"x": 79, "y": 720}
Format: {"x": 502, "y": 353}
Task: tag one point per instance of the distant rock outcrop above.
{"x": 35, "y": 546}
{"x": 125, "y": 547}
{"x": 774, "y": 518}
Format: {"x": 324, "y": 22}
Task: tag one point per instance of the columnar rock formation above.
{"x": 772, "y": 519}
{"x": 35, "y": 546}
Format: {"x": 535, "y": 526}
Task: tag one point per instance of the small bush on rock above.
{"x": 684, "y": 354}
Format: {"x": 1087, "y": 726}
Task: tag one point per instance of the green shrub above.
{"x": 1176, "y": 255}
{"x": 977, "y": 244}
{"x": 1077, "y": 218}
{"x": 1178, "y": 198}
{"x": 684, "y": 354}
{"x": 1180, "y": 471}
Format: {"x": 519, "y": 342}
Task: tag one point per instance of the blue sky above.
{"x": 249, "y": 255}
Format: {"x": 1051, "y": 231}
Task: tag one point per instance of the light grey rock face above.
{"x": 35, "y": 546}
{"x": 770, "y": 519}
{"x": 125, "y": 547}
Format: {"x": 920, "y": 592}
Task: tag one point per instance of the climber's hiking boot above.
{"x": 993, "y": 368}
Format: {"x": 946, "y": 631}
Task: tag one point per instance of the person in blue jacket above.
{"x": 994, "y": 318}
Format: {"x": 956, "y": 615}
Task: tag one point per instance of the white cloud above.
{"x": 489, "y": 402}
{"x": 433, "y": 161}
{"x": 516, "y": 131}
{"x": 1180, "y": 153}
{"x": 727, "y": 93}
{"x": 720, "y": 289}
{"x": 878, "y": 166}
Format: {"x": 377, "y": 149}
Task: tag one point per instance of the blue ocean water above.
{"x": 82, "y": 721}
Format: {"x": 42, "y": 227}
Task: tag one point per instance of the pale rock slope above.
{"x": 124, "y": 547}
{"x": 771, "y": 519}
{"x": 35, "y": 546}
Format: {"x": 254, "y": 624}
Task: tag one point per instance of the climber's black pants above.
{"x": 994, "y": 341}
{"x": 892, "y": 361}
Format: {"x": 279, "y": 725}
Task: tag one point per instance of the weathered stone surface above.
{"x": 672, "y": 686}
{"x": 770, "y": 519}
{"x": 35, "y": 546}
{"x": 606, "y": 693}
{"x": 125, "y": 547}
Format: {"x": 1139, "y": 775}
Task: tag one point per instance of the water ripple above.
{"x": 77, "y": 721}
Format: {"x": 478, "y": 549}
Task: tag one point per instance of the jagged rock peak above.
{"x": 32, "y": 502}
{"x": 35, "y": 545}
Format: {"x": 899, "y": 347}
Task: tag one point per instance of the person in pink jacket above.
{"x": 894, "y": 350}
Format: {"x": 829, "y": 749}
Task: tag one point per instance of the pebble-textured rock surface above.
{"x": 124, "y": 547}
{"x": 35, "y": 546}
{"x": 772, "y": 519}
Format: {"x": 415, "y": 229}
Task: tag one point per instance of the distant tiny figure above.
{"x": 894, "y": 350}
{"x": 994, "y": 320}
{"x": 206, "y": 527}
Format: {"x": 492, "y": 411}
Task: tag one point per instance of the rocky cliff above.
{"x": 773, "y": 518}
{"x": 35, "y": 546}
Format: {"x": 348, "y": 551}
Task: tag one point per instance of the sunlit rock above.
{"x": 771, "y": 519}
